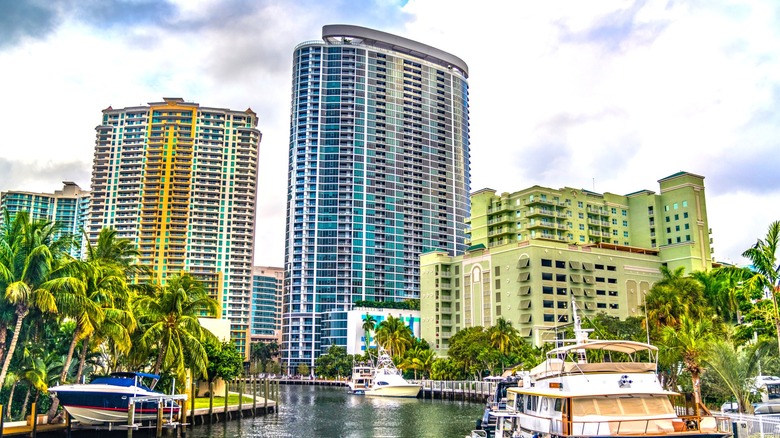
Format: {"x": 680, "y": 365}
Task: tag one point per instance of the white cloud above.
{"x": 562, "y": 93}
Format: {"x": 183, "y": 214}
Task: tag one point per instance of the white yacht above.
{"x": 599, "y": 388}
{"x": 381, "y": 379}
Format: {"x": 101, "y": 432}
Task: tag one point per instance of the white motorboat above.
{"x": 107, "y": 399}
{"x": 381, "y": 379}
{"x": 599, "y": 388}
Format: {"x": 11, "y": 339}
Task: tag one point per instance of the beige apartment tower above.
{"x": 536, "y": 253}
{"x": 179, "y": 179}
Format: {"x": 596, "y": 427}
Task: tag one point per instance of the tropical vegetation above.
{"x": 62, "y": 319}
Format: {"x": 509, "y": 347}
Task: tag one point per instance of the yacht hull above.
{"x": 410, "y": 390}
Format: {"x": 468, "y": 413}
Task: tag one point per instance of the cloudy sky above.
{"x": 609, "y": 96}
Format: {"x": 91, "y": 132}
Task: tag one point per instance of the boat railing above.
{"x": 642, "y": 426}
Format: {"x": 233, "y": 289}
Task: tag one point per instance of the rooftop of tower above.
{"x": 345, "y": 33}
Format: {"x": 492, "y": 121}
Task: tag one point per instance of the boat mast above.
{"x": 580, "y": 335}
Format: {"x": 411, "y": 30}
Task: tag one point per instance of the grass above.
{"x": 203, "y": 402}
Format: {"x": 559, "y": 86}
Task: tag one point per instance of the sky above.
{"x": 609, "y": 96}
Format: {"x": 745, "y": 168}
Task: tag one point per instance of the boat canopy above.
{"x": 627, "y": 347}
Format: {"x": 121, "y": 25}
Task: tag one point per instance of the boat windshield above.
{"x": 120, "y": 381}
{"x": 633, "y": 405}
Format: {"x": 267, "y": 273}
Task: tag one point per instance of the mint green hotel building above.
{"x": 536, "y": 253}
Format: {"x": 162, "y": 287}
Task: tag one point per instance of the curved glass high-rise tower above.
{"x": 378, "y": 174}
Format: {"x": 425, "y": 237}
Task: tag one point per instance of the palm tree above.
{"x": 736, "y": 367}
{"x": 393, "y": 335}
{"x": 503, "y": 337}
{"x": 111, "y": 266}
{"x": 35, "y": 272}
{"x": 263, "y": 352}
{"x": 765, "y": 273}
{"x": 369, "y": 323}
{"x": 690, "y": 342}
{"x": 169, "y": 321}
{"x": 719, "y": 292}
{"x": 673, "y": 296}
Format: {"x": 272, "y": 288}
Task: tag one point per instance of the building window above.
{"x": 685, "y": 215}
{"x": 611, "y": 268}
{"x": 675, "y": 206}
{"x": 677, "y": 217}
{"x": 546, "y": 262}
{"x": 560, "y": 277}
{"x": 668, "y": 230}
{"x": 497, "y": 270}
{"x": 613, "y": 293}
{"x": 669, "y": 241}
{"x": 601, "y": 292}
{"x": 676, "y": 228}
{"x": 547, "y": 276}
{"x": 579, "y": 204}
{"x": 601, "y": 305}
{"x": 547, "y": 304}
{"x": 561, "y": 291}
{"x": 667, "y": 218}
{"x": 685, "y": 203}
{"x": 679, "y": 239}
{"x": 547, "y": 290}
{"x": 498, "y": 283}
{"x": 582, "y": 238}
{"x": 614, "y": 210}
{"x": 563, "y": 305}
{"x": 666, "y": 208}
{"x": 624, "y": 212}
{"x": 547, "y": 318}
{"x": 582, "y": 227}
{"x": 560, "y": 264}
{"x": 687, "y": 226}
{"x": 625, "y": 223}
{"x": 687, "y": 237}
{"x": 498, "y": 297}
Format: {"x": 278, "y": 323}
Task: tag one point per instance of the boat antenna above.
{"x": 580, "y": 335}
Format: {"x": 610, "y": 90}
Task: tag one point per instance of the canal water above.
{"x": 318, "y": 411}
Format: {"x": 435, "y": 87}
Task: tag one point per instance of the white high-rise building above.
{"x": 378, "y": 174}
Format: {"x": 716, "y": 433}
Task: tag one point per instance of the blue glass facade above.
{"x": 378, "y": 174}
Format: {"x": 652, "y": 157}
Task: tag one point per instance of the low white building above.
{"x": 356, "y": 343}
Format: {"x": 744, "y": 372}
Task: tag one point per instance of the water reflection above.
{"x": 332, "y": 412}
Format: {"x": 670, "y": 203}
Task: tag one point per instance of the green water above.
{"x": 315, "y": 411}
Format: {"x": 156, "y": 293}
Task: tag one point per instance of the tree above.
{"x": 169, "y": 322}
{"x": 111, "y": 269}
{"x": 224, "y": 361}
{"x": 35, "y": 272}
{"x": 303, "y": 369}
{"x": 335, "y": 363}
{"x": 672, "y": 297}
{"x": 369, "y": 323}
{"x": 418, "y": 359}
{"x": 471, "y": 349}
{"x": 764, "y": 274}
{"x": 737, "y": 368}
{"x": 690, "y": 342}
{"x": 263, "y": 352}
{"x": 393, "y": 335}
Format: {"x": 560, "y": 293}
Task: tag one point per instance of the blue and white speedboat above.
{"x": 107, "y": 399}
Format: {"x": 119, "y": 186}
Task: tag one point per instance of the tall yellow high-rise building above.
{"x": 180, "y": 180}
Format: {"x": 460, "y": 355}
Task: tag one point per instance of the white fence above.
{"x": 755, "y": 426}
